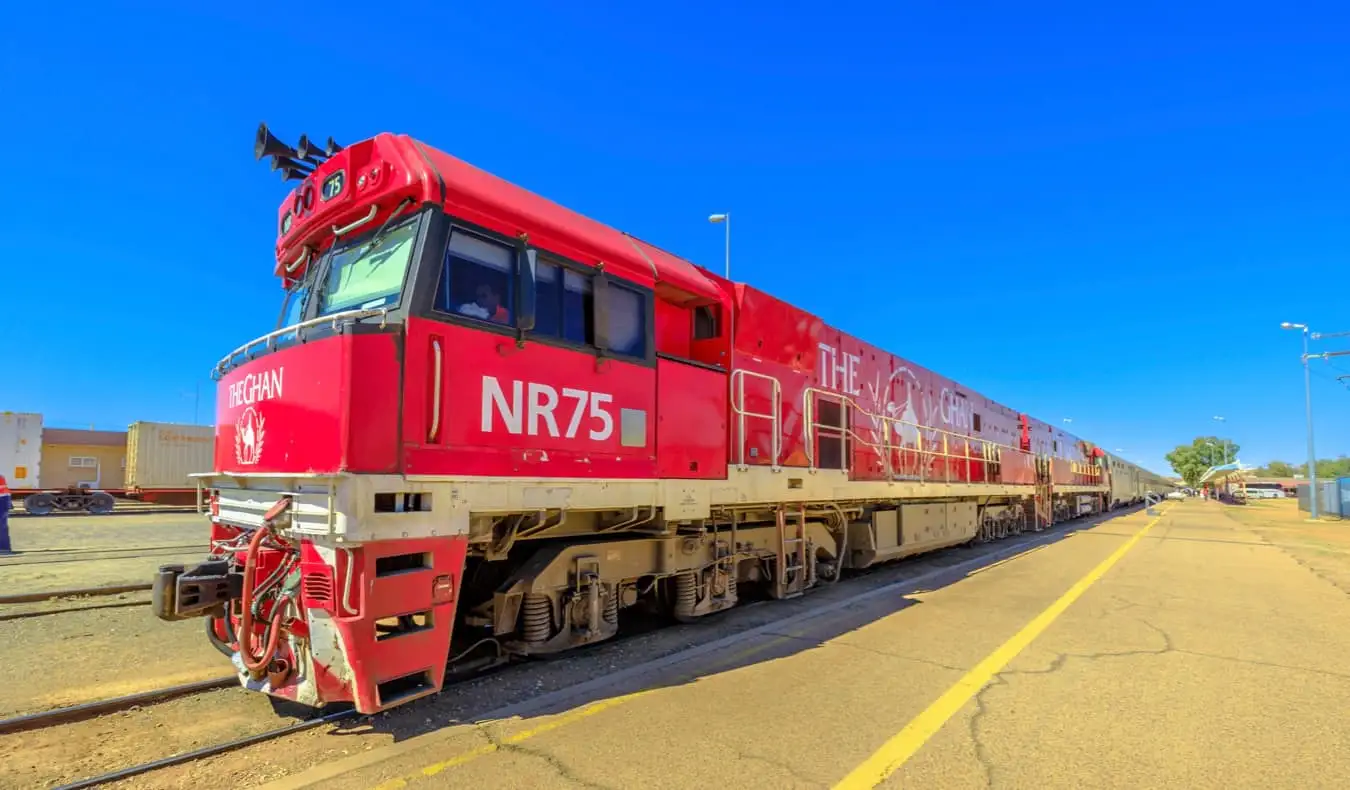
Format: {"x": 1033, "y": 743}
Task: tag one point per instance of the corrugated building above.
{"x": 71, "y": 456}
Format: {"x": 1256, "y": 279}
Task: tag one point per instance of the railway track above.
{"x": 76, "y": 592}
{"x": 89, "y": 710}
{"x": 54, "y": 556}
{"x": 20, "y": 512}
{"x": 209, "y": 751}
{"x": 69, "y": 609}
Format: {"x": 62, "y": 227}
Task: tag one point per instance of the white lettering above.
{"x": 256, "y": 388}
{"x": 598, "y": 412}
{"x": 839, "y": 372}
{"x": 540, "y": 402}
{"x": 543, "y": 400}
{"x": 955, "y": 410}
{"x": 494, "y": 397}
{"x": 582, "y": 398}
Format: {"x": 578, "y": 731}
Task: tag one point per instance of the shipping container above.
{"x": 162, "y": 455}
{"x": 21, "y": 449}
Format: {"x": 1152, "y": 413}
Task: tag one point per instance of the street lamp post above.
{"x": 724, "y": 219}
{"x": 1225, "y": 441}
{"x": 1307, "y": 401}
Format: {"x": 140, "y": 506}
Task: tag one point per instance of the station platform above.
{"x": 1188, "y": 649}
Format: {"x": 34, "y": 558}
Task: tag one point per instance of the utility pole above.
{"x": 1307, "y": 400}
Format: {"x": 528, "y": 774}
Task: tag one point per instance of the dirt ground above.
{"x": 79, "y": 656}
{"x": 66, "y": 552}
{"x": 116, "y": 531}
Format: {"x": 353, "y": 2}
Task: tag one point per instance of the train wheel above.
{"x": 101, "y": 503}
{"x": 39, "y": 504}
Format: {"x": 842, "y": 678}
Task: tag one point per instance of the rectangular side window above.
{"x": 477, "y": 280}
{"x": 564, "y": 305}
{"x": 705, "y": 323}
{"x": 625, "y": 317}
{"x": 578, "y": 308}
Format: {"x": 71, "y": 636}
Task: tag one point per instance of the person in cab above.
{"x": 486, "y": 306}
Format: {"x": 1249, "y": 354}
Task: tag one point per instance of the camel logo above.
{"x": 899, "y": 411}
{"x": 248, "y": 437}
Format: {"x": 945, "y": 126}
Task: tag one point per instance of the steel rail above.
{"x": 208, "y": 751}
{"x": 99, "y": 555}
{"x": 69, "y": 610}
{"x": 89, "y": 710}
{"x": 73, "y": 593}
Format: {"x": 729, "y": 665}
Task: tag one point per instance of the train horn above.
{"x": 280, "y": 162}
{"x": 332, "y": 147}
{"x": 293, "y": 174}
{"x": 310, "y": 150}
{"x": 266, "y": 144}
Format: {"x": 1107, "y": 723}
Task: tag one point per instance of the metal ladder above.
{"x": 1045, "y": 499}
{"x": 791, "y": 578}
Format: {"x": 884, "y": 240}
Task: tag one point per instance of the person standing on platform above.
{"x": 5, "y": 500}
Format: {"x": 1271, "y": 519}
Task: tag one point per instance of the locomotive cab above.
{"x": 439, "y": 353}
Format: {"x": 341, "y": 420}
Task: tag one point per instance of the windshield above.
{"x": 367, "y": 276}
{"x": 294, "y": 306}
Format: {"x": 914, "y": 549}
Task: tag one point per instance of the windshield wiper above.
{"x": 379, "y": 234}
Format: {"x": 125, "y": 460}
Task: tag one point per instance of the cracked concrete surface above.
{"x": 1208, "y": 656}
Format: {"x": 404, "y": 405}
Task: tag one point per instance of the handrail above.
{"x": 435, "y": 392}
{"x": 738, "y": 377}
{"x": 885, "y": 448}
{"x": 223, "y": 365}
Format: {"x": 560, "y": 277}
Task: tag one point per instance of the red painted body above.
{"x": 326, "y": 406}
{"x": 732, "y": 375}
{"x": 330, "y": 380}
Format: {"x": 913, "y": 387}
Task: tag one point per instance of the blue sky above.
{"x": 1080, "y": 212}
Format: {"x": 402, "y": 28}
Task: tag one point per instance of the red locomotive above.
{"x": 486, "y": 425}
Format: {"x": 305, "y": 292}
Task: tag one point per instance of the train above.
{"x": 487, "y": 427}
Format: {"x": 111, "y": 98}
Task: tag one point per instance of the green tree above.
{"x": 1277, "y": 469}
{"x": 1328, "y": 468}
{"x": 1191, "y": 460}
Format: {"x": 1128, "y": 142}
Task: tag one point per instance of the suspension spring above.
{"x": 686, "y": 594}
{"x": 612, "y": 604}
{"x": 538, "y": 616}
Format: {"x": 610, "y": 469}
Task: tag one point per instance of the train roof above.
{"x": 468, "y": 188}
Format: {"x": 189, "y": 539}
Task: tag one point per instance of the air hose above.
{"x": 255, "y": 663}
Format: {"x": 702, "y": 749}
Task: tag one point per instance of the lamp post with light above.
{"x": 724, "y": 219}
{"x": 1307, "y": 401}
{"x": 1225, "y": 441}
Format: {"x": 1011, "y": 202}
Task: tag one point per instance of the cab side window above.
{"x": 625, "y": 318}
{"x": 564, "y": 303}
{"x": 477, "y": 279}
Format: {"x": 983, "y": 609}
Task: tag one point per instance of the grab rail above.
{"x": 885, "y": 448}
{"x": 775, "y": 416}
{"x": 346, "y": 316}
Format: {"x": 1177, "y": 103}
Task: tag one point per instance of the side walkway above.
{"x": 1182, "y": 651}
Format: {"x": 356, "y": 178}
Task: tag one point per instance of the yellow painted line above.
{"x": 895, "y": 752}
{"x": 399, "y": 783}
{"x": 513, "y": 739}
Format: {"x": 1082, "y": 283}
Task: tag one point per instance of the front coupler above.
{"x": 179, "y": 594}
